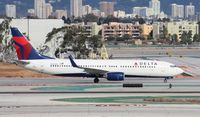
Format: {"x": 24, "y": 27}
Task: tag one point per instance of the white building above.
{"x": 142, "y": 11}
{"x": 96, "y": 12}
{"x": 42, "y": 10}
{"x": 39, "y": 6}
{"x": 179, "y": 27}
{"x": 155, "y": 5}
{"x": 49, "y": 10}
{"x": 119, "y": 14}
{"x": 11, "y": 10}
{"x": 162, "y": 15}
{"x": 87, "y": 9}
{"x": 137, "y": 10}
{"x": 60, "y": 13}
{"x": 31, "y": 12}
{"x": 76, "y": 8}
{"x": 189, "y": 10}
{"x": 157, "y": 28}
{"x": 177, "y": 11}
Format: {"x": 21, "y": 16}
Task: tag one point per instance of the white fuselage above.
{"x": 131, "y": 68}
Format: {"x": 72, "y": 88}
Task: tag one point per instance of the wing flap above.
{"x": 94, "y": 71}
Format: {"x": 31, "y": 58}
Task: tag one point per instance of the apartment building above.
{"x": 115, "y": 29}
{"x": 179, "y": 27}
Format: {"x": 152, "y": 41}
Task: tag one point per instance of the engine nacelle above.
{"x": 115, "y": 76}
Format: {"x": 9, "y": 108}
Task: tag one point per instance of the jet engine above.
{"x": 115, "y": 76}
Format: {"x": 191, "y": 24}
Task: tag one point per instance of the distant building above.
{"x": 31, "y": 12}
{"x": 39, "y": 6}
{"x": 146, "y": 30}
{"x": 177, "y": 11}
{"x": 115, "y": 29}
{"x": 155, "y": 5}
{"x": 91, "y": 28}
{"x": 96, "y": 12}
{"x": 42, "y": 9}
{"x": 119, "y": 14}
{"x": 198, "y": 16}
{"x": 11, "y": 10}
{"x": 60, "y": 13}
{"x": 107, "y": 7}
{"x": 142, "y": 11}
{"x": 76, "y": 8}
{"x": 189, "y": 11}
{"x": 162, "y": 15}
{"x": 157, "y": 29}
{"x": 138, "y": 11}
{"x": 87, "y": 9}
{"x": 129, "y": 15}
{"x": 179, "y": 27}
{"x": 49, "y": 10}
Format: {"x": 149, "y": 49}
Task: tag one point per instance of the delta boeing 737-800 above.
{"x": 112, "y": 70}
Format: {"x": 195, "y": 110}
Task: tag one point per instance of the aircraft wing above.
{"x": 94, "y": 71}
{"x": 88, "y": 70}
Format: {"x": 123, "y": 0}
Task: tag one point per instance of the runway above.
{"x": 95, "y": 111}
{"x": 78, "y": 97}
{"x": 14, "y": 105}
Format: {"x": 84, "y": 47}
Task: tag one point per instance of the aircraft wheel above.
{"x": 165, "y": 80}
{"x": 96, "y": 80}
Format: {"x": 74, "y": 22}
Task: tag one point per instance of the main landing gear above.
{"x": 96, "y": 80}
{"x": 167, "y": 78}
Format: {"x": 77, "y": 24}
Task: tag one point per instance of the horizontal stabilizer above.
{"x": 187, "y": 74}
{"x": 23, "y": 63}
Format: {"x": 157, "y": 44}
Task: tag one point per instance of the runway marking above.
{"x": 85, "y": 88}
{"x": 135, "y": 100}
{"x": 121, "y": 105}
{"x": 74, "y": 88}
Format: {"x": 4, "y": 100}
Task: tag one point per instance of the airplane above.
{"x": 112, "y": 70}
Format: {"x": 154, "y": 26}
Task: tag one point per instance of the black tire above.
{"x": 165, "y": 81}
{"x": 167, "y": 78}
{"x": 96, "y": 80}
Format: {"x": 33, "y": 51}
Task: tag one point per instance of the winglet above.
{"x": 72, "y": 61}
